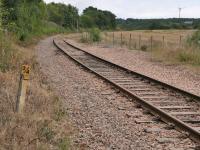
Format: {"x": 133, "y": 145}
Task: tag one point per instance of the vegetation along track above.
{"x": 176, "y": 107}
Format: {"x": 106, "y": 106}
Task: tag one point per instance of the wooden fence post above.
{"x": 180, "y": 42}
{"x": 121, "y": 39}
{"x": 23, "y": 85}
{"x": 130, "y": 40}
{"x": 139, "y": 41}
{"x": 113, "y": 39}
{"x": 86, "y": 35}
{"x": 151, "y": 42}
{"x": 163, "y": 41}
{"x": 106, "y": 37}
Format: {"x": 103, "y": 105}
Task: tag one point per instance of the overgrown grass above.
{"x": 94, "y": 35}
{"x": 8, "y": 56}
{"x": 190, "y": 57}
{"x": 195, "y": 39}
{"x": 44, "y": 123}
{"x": 186, "y": 56}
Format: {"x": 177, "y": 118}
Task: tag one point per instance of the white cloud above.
{"x": 140, "y": 8}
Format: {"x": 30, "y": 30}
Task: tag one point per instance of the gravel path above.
{"x": 103, "y": 117}
{"x": 142, "y": 62}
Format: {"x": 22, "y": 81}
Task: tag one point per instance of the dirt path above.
{"x": 103, "y": 117}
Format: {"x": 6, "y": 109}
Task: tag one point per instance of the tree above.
{"x": 92, "y": 17}
{"x": 9, "y": 11}
{"x": 64, "y": 15}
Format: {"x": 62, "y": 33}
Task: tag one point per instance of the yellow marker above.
{"x": 24, "y": 79}
{"x": 26, "y": 72}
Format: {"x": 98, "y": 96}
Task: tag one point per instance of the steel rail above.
{"x": 166, "y": 117}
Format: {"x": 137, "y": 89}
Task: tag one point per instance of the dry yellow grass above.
{"x": 44, "y": 124}
{"x": 139, "y": 38}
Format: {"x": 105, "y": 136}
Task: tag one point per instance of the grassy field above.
{"x": 148, "y": 39}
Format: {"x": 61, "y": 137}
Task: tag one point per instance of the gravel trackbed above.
{"x": 103, "y": 117}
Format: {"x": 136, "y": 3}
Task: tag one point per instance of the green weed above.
{"x": 64, "y": 144}
{"x": 95, "y": 35}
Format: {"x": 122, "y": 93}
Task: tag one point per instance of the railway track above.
{"x": 176, "y": 107}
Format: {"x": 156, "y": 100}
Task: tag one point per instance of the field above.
{"x": 147, "y": 39}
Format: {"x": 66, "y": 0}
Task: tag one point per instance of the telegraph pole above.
{"x": 180, "y": 9}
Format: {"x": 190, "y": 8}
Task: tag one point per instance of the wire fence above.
{"x": 144, "y": 41}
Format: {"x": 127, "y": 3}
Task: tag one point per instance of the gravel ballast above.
{"x": 103, "y": 117}
{"x": 142, "y": 62}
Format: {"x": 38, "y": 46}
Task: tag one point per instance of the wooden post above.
{"x": 86, "y": 35}
{"x": 23, "y": 85}
{"x": 180, "y": 42}
{"x": 139, "y": 41}
{"x": 113, "y": 39}
{"x": 121, "y": 39}
{"x": 106, "y": 37}
{"x": 163, "y": 41}
{"x": 130, "y": 40}
{"x": 151, "y": 42}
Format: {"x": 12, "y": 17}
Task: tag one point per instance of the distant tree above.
{"x": 93, "y": 17}
{"x": 9, "y": 11}
{"x": 153, "y": 24}
{"x": 87, "y": 21}
{"x": 64, "y": 15}
{"x": 71, "y": 17}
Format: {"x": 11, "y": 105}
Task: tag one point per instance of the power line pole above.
{"x": 180, "y": 9}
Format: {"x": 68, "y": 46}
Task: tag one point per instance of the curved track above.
{"x": 176, "y": 107}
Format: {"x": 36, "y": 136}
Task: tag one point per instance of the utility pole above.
{"x": 180, "y": 9}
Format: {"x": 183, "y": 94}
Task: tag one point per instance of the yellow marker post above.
{"x": 24, "y": 79}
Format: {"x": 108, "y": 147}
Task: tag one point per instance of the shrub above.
{"x": 195, "y": 39}
{"x": 64, "y": 144}
{"x": 190, "y": 57}
{"x": 8, "y": 55}
{"x": 143, "y": 47}
{"x": 45, "y": 132}
{"x": 185, "y": 57}
{"x": 84, "y": 38}
{"x": 95, "y": 35}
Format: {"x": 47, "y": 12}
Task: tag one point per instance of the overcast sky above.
{"x": 141, "y": 8}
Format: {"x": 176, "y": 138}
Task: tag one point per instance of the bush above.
{"x": 143, "y": 47}
{"x": 190, "y": 57}
{"x": 195, "y": 39}
{"x": 64, "y": 144}
{"x": 8, "y": 55}
{"x": 84, "y": 38}
{"x": 95, "y": 35}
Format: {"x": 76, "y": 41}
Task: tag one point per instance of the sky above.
{"x": 141, "y": 8}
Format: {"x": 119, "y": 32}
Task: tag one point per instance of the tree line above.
{"x": 30, "y": 17}
{"x": 35, "y": 17}
{"x": 153, "y": 24}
